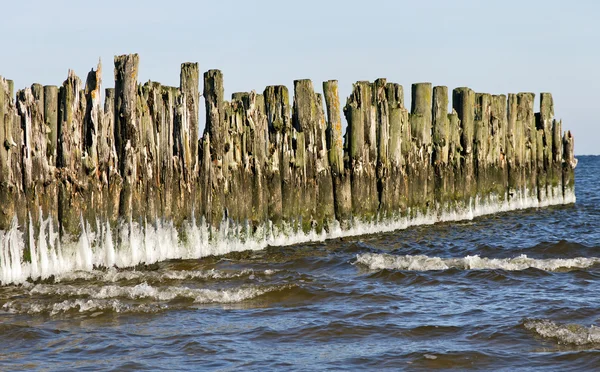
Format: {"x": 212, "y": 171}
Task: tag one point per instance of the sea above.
{"x": 516, "y": 290}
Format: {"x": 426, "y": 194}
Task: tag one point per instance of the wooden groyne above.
{"x": 266, "y": 159}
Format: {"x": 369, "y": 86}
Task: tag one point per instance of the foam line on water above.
{"x": 113, "y": 275}
{"x": 146, "y": 291}
{"x": 64, "y": 298}
{"x": 564, "y": 334}
{"x": 156, "y": 241}
{"x": 378, "y": 261}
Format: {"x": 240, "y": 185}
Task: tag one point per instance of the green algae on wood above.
{"x": 267, "y": 164}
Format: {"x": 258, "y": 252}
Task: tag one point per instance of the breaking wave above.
{"x": 378, "y": 261}
{"x": 115, "y": 298}
{"x": 157, "y": 241}
{"x": 564, "y": 334}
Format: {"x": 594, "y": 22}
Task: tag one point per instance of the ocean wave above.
{"x": 114, "y": 275}
{"x": 56, "y": 299}
{"x": 564, "y": 334}
{"x": 88, "y": 306}
{"x": 46, "y": 255}
{"x": 146, "y": 291}
{"x": 378, "y": 261}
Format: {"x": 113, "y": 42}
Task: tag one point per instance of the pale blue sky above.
{"x": 490, "y": 46}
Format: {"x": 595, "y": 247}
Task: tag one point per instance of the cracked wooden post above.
{"x": 549, "y": 178}
{"x": 463, "y": 102}
{"x": 160, "y": 103}
{"x": 569, "y": 164}
{"x": 443, "y": 174}
{"x": 481, "y": 130}
{"x": 71, "y": 199}
{"x": 25, "y": 107}
{"x": 93, "y": 117}
{"x": 335, "y": 147}
{"x": 214, "y": 146}
{"x": 420, "y": 171}
{"x": 51, "y": 120}
{"x": 108, "y": 164}
{"x": 127, "y": 136}
{"x": 398, "y": 145}
{"x": 170, "y": 117}
{"x": 236, "y": 170}
{"x": 281, "y": 158}
{"x": 235, "y": 120}
{"x": 362, "y": 153}
{"x": 455, "y": 161}
{"x": 514, "y": 149}
{"x": 317, "y": 208}
{"x": 325, "y": 204}
{"x": 526, "y": 119}
{"x": 40, "y": 191}
{"x": 498, "y": 169}
{"x": 18, "y": 168}
{"x": 10, "y": 175}
{"x": 257, "y": 146}
{"x": 306, "y": 121}
{"x": 385, "y": 184}
{"x": 189, "y": 83}
{"x": 489, "y": 135}
{"x": 146, "y": 189}
{"x": 557, "y": 160}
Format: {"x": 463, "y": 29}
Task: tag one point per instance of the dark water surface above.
{"x": 517, "y": 290}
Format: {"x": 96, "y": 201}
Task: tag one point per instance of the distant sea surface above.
{"x": 510, "y": 291}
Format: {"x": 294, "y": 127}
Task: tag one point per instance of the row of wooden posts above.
{"x": 264, "y": 157}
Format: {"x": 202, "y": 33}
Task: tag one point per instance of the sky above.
{"x": 490, "y": 46}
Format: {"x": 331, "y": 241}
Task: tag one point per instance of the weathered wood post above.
{"x": 312, "y": 164}
{"x": 127, "y": 136}
{"x": 398, "y": 148}
{"x": 382, "y": 166}
{"x": 50, "y": 116}
{"x": 214, "y": 145}
{"x": 498, "y": 167}
{"x": 258, "y": 146}
{"x": 189, "y": 85}
{"x": 481, "y": 137}
{"x": 548, "y": 182}
{"x": 10, "y": 176}
{"x": 335, "y": 148}
{"x": 525, "y": 116}
{"x": 325, "y": 203}
{"x": 283, "y": 158}
{"x": 463, "y": 102}
{"x": 569, "y": 164}
{"x": 187, "y": 126}
{"x": 71, "y": 201}
{"x": 443, "y": 174}
{"x": 557, "y": 160}
{"x": 420, "y": 171}
{"x": 108, "y": 162}
{"x": 362, "y": 151}
{"x": 514, "y": 149}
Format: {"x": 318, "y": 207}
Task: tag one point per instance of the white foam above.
{"x": 113, "y": 275}
{"x": 79, "y": 305}
{"x": 146, "y": 291}
{"x": 118, "y": 298}
{"x": 564, "y": 334}
{"x": 377, "y": 261}
{"x": 159, "y": 240}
